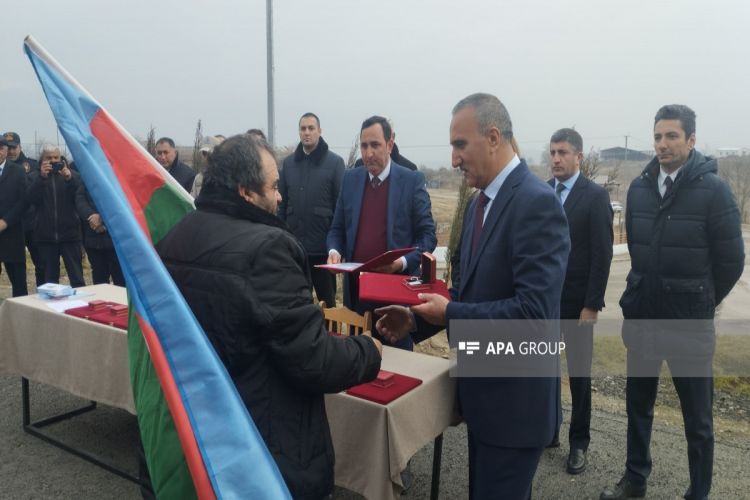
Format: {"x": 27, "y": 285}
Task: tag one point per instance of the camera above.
{"x": 57, "y": 166}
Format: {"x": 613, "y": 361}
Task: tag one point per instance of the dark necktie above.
{"x": 375, "y": 182}
{"x": 668, "y": 184}
{"x": 559, "y": 189}
{"x": 482, "y": 200}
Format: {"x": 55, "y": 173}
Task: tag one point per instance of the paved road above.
{"x": 30, "y": 468}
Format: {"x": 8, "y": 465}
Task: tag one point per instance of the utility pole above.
{"x": 269, "y": 71}
{"x": 626, "y": 147}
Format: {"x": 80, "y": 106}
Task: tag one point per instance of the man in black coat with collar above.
{"x": 686, "y": 254}
{"x": 589, "y": 214}
{"x": 12, "y": 205}
{"x": 309, "y": 183}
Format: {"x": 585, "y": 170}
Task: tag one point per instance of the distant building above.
{"x": 620, "y": 153}
{"x": 727, "y": 152}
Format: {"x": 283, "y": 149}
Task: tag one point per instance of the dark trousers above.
{"x": 104, "y": 264}
{"x": 70, "y": 251}
{"x": 324, "y": 281}
{"x": 501, "y": 473}
{"x": 696, "y": 401}
{"x": 17, "y": 275}
{"x": 35, "y": 258}
{"x": 579, "y": 347}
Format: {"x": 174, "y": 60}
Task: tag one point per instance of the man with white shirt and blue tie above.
{"x": 686, "y": 254}
{"x": 12, "y": 206}
{"x": 589, "y": 215}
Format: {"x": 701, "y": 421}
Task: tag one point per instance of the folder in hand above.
{"x": 381, "y": 260}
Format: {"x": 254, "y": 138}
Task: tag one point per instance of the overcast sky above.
{"x": 601, "y": 65}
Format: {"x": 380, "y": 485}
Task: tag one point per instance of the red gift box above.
{"x": 108, "y": 313}
{"x": 397, "y": 289}
{"x": 384, "y": 395}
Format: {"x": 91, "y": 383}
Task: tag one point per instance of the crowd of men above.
{"x": 530, "y": 250}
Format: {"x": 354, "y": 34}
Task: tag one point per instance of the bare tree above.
{"x": 464, "y": 196}
{"x": 590, "y": 164}
{"x": 612, "y": 186}
{"x": 283, "y": 151}
{"x": 151, "y": 141}
{"x": 736, "y": 171}
{"x": 353, "y": 153}
{"x": 197, "y": 145}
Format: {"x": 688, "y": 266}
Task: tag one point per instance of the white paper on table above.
{"x": 64, "y": 305}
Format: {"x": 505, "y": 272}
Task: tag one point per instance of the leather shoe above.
{"x": 624, "y": 489}
{"x": 576, "y": 461}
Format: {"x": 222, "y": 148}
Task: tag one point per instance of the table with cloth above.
{"x": 373, "y": 442}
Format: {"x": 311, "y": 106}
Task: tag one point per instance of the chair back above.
{"x": 345, "y": 321}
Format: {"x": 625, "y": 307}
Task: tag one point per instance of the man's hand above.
{"x": 45, "y": 168}
{"x": 588, "y": 316}
{"x": 3, "y": 225}
{"x": 95, "y": 221}
{"x": 392, "y": 268}
{"x": 432, "y": 309}
{"x": 378, "y": 344}
{"x": 65, "y": 172}
{"x": 395, "y": 322}
{"x": 334, "y": 257}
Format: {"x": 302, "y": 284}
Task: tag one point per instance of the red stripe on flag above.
{"x": 136, "y": 174}
{"x": 203, "y": 487}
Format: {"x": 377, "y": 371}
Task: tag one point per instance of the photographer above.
{"x": 57, "y": 230}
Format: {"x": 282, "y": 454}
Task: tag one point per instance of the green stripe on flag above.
{"x": 170, "y": 476}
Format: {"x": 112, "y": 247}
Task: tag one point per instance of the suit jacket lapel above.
{"x": 394, "y": 193}
{"x": 358, "y": 191}
{"x": 575, "y": 194}
{"x": 5, "y": 173}
{"x": 496, "y": 210}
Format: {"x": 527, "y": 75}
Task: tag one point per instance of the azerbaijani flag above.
{"x": 197, "y": 434}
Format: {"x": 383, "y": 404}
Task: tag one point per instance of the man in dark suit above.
{"x": 381, "y": 207}
{"x": 514, "y": 249}
{"x": 589, "y": 216}
{"x": 12, "y": 205}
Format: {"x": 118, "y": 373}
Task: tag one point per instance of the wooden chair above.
{"x": 346, "y": 321}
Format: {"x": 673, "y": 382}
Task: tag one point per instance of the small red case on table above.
{"x": 371, "y": 391}
{"x": 102, "y": 311}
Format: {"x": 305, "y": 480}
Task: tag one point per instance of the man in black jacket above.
{"x": 246, "y": 279}
{"x": 166, "y": 155}
{"x": 686, "y": 254}
{"x": 57, "y": 229}
{"x": 589, "y": 216}
{"x": 16, "y": 155}
{"x": 97, "y": 242}
{"x": 309, "y": 184}
{"x": 12, "y": 204}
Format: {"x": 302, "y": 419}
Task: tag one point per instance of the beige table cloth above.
{"x": 79, "y": 356}
{"x": 372, "y": 442}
